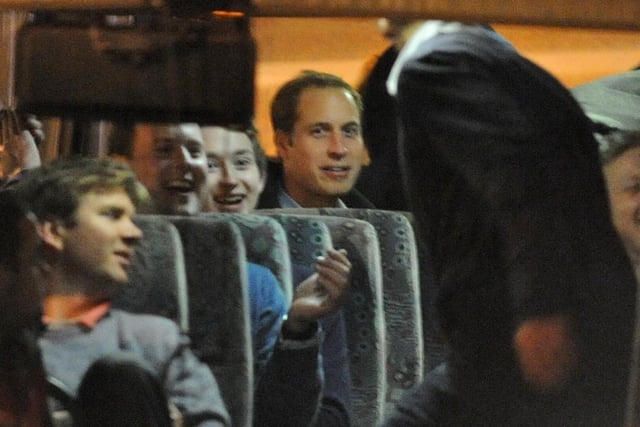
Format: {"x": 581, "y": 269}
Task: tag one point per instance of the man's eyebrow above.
{"x": 325, "y": 125}
{"x": 110, "y": 207}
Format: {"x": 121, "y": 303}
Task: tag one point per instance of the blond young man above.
{"x": 85, "y": 209}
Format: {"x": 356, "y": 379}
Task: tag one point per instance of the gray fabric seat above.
{"x": 266, "y": 244}
{"x": 363, "y": 313}
{"x": 401, "y": 294}
{"x": 435, "y": 347}
{"x": 308, "y": 237}
{"x": 219, "y": 324}
{"x": 157, "y": 279}
{"x": 364, "y": 318}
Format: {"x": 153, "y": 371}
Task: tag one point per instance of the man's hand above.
{"x": 322, "y": 293}
{"x": 546, "y": 351}
{"x": 18, "y": 150}
{"x": 31, "y": 123}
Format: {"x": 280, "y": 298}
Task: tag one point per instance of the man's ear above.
{"x": 283, "y": 143}
{"x": 52, "y": 233}
{"x": 366, "y": 157}
{"x": 263, "y": 181}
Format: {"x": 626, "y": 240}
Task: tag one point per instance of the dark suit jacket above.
{"x": 269, "y": 197}
{"x": 381, "y": 182}
{"x": 505, "y": 183}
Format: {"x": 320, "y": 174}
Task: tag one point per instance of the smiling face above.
{"x": 234, "y": 179}
{"x": 96, "y": 250}
{"x": 170, "y": 161}
{"x": 623, "y": 183}
{"x": 323, "y": 154}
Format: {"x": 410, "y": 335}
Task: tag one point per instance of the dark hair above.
{"x": 613, "y": 144}
{"x": 54, "y": 190}
{"x": 12, "y": 210}
{"x": 284, "y": 107}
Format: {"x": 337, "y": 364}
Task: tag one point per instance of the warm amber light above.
{"x": 227, "y": 14}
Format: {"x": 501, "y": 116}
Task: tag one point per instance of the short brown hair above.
{"x": 284, "y": 107}
{"x": 54, "y": 189}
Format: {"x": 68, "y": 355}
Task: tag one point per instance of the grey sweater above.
{"x": 68, "y": 351}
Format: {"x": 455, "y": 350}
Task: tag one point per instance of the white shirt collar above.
{"x": 286, "y": 201}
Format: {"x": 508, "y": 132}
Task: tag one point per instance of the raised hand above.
{"x": 322, "y": 293}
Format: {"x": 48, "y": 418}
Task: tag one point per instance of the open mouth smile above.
{"x": 180, "y": 186}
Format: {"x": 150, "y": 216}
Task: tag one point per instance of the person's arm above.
{"x": 322, "y": 293}
{"x": 335, "y": 406}
{"x": 192, "y": 388}
{"x": 287, "y": 370}
{"x": 18, "y": 149}
{"x": 434, "y": 402}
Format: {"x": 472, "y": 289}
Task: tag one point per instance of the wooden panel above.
{"x": 344, "y": 46}
{"x": 578, "y": 13}
{"x": 10, "y": 21}
{"x": 77, "y": 4}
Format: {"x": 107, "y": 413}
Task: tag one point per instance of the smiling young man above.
{"x": 620, "y": 155}
{"x": 236, "y": 168}
{"x": 316, "y": 121}
{"x": 169, "y": 160}
{"x": 172, "y": 162}
{"x": 236, "y": 177}
{"x": 85, "y": 210}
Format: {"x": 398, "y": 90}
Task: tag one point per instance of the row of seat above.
{"x": 192, "y": 269}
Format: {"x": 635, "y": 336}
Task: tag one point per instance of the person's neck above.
{"x": 312, "y": 201}
{"x": 60, "y": 307}
{"x": 67, "y": 297}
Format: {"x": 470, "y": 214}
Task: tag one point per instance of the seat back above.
{"x": 364, "y": 317}
{"x": 308, "y": 237}
{"x": 363, "y": 313}
{"x": 401, "y": 295}
{"x": 157, "y": 278}
{"x": 435, "y": 347}
{"x": 220, "y": 329}
{"x": 266, "y": 244}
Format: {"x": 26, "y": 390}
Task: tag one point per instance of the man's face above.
{"x": 170, "y": 161}
{"x": 323, "y": 155}
{"x": 21, "y": 281}
{"x": 98, "y": 248}
{"x": 623, "y": 183}
{"x": 234, "y": 179}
